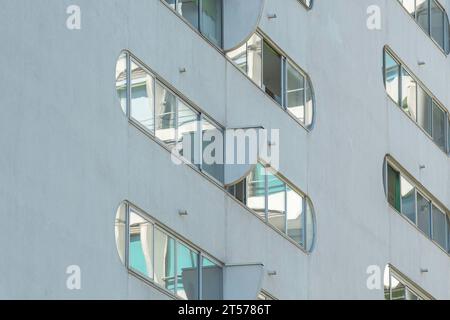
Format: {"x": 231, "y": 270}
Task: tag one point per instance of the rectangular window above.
{"x": 140, "y": 253}
{"x": 211, "y": 21}
{"x": 424, "y": 214}
{"x": 424, "y": 110}
{"x": 272, "y": 72}
{"x": 295, "y": 93}
{"x": 422, "y": 14}
{"x": 142, "y": 97}
{"x": 212, "y": 280}
{"x": 439, "y": 227}
{"x": 164, "y": 260}
{"x": 439, "y": 119}
{"x": 393, "y": 179}
{"x": 254, "y": 59}
{"x": 392, "y": 76}
{"x": 212, "y": 150}
{"x": 189, "y": 10}
{"x": 409, "y": 94}
{"x": 276, "y": 192}
{"x": 187, "y": 129}
{"x": 187, "y": 272}
{"x": 408, "y": 200}
{"x": 256, "y": 190}
{"x": 165, "y": 114}
{"x": 437, "y": 23}
{"x": 295, "y": 216}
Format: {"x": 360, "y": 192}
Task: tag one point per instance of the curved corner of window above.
{"x": 432, "y": 18}
{"x": 278, "y": 203}
{"x": 416, "y": 100}
{"x": 278, "y": 76}
{"x": 416, "y": 204}
{"x": 161, "y": 258}
{"x": 399, "y": 287}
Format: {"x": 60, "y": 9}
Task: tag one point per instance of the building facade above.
{"x": 97, "y": 95}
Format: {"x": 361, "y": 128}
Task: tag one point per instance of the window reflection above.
{"x": 212, "y": 21}
{"x": 439, "y": 119}
{"x": 164, "y": 260}
{"x": 272, "y": 72}
{"x": 188, "y": 121}
{"x": 296, "y": 93}
{"x": 276, "y": 193}
{"x": 408, "y": 199}
{"x": 141, "y": 245}
{"x": 187, "y": 273}
{"x": 424, "y": 110}
{"x": 257, "y": 190}
{"x": 392, "y": 70}
{"x": 409, "y": 97}
{"x": 142, "y": 97}
{"x": 295, "y": 216}
{"x": 165, "y": 114}
{"x": 213, "y": 148}
{"x": 424, "y": 214}
{"x": 439, "y": 227}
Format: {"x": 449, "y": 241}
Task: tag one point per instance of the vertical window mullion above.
{"x": 175, "y": 263}
{"x": 200, "y": 276}
{"x": 283, "y": 82}
{"x": 199, "y": 19}
{"x": 266, "y": 194}
{"x": 285, "y": 209}
{"x": 305, "y": 200}
{"x": 200, "y": 142}
{"x": 127, "y": 235}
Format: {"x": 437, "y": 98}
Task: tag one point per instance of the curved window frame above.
{"x": 307, "y": 243}
{"x": 391, "y": 165}
{"x": 126, "y": 208}
{"x": 446, "y": 24}
{"x": 285, "y": 61}
{"x": 435, "y": 103}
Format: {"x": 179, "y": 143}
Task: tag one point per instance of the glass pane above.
{"x": 295, "y": 216}
{"x": 392, "y": 70}
{"x": 120, "y": 231}
{"x": 165, "y": 114}
{"x": 212, "y": 20}
{"x": 171, "y": 3}
{"x": 409, "y": 97}
{"x": 276, "y": 202}
{"x": 189, "y": 10}
{"x": 121, "y": 81}
{"x": 394, "y": 188}
{"x": 408, "y": 200}
{"x": 424, "y": 214}
{"x": 309, "y": 103}
{"x": 254, "y": 59}
{"x": 398, "y": 290}
{"x": 411, "y": 295}
{"x": 437, "y": 23}
{"x": 439, "y": 227}
{"x": 187, "y": 131}
{"x": 410, "y": 6}
{"x": 212, "y": 280}
{"x": 239, "y": 57}
{"x": 213, "y": 148}
{"x": 424, "y": 110}
{"x": 439, "y": 119}
{"x": 422, "y": 14}
{"x": 272, "y": 72}
{"x": 257, "y": 190}
{"x": 142, "y": 98}
{"x": 164, "y": 260}
{"x": 309, "y": 226}
{"x": 295, "y": 93}
{"x": 187, "y": 273}
{"x": 141, "y": 245}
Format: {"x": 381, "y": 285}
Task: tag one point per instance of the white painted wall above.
{"x": 69, "y": 155}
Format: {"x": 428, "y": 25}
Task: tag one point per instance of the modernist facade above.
{"x": 107, "y": 190}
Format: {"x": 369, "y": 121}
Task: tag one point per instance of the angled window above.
{"x": 417, "y": 205}
{"x": 160, "y": 257}
{"x": 415, "y": 100}
{"x": 157, "y": 110}
{"x": 203, "y": 15}
{"x": 278, "y": 76}
{"x": 432, "y": 18}
{"x": 399, "y": 287}
{"x": 287, "y": 210}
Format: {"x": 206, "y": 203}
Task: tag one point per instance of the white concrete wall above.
{"x": 69, "y": 155}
